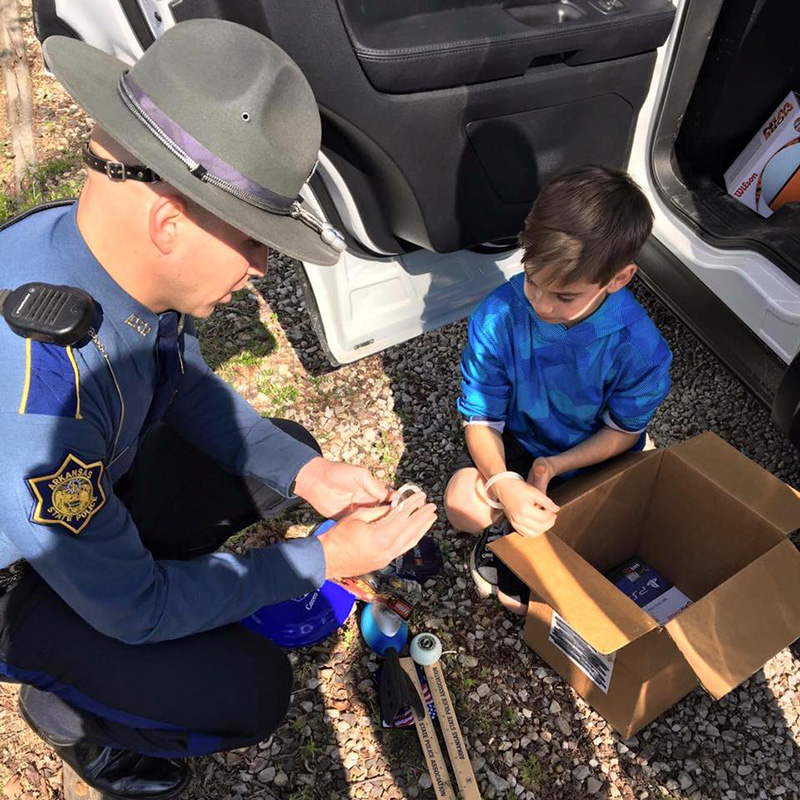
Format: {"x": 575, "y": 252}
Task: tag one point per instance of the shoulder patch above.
{"x": 52, "y": 383}
{"x": 70, "y": 497}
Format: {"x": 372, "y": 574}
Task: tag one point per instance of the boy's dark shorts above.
{"x": 518, "y": 458}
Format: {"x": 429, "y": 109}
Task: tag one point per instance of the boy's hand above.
{"x": 369, "y": 538}
{"x": 542, "y": 472}
{"x": 529, "y": 510}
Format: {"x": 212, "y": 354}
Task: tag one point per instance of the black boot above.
{"x": 113, "y": 772}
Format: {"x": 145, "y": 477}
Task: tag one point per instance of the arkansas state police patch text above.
{"x": 71, "y": 496}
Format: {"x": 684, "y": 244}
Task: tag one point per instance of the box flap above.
{"x": 698, "y": 535}
{"x": 768, "y": 496}
{"x": 741, "y": 624}
{"x": 590, "y": 604}
{"x": 579, "y": 485}
{"x": 603, "y": 523}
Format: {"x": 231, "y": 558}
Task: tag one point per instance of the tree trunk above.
{"x": 17, "y": 80}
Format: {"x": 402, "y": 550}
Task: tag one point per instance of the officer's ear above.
{"x": 168, "y": 218}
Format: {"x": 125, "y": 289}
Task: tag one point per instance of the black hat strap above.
{"x": 116, "y": 170}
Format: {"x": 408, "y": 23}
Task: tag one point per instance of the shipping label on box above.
{"x": 766, "y": 175}
{"x": 597, "y": 667}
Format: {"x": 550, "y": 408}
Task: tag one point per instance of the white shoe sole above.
{"x": 485, "y": 589}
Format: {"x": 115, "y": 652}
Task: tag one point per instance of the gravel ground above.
{"x": 530, "y": 734}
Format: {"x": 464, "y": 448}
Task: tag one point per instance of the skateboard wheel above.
{"x": 426, "y": 649}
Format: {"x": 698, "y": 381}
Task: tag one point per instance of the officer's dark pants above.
{"x": 217, "y": 690}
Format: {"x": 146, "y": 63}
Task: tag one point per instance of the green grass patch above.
{"x": 389, "y": 458}
{"x": 302, "y": 794}
{"x": 446, "y": 546}
{"x": 222, "y": 352}
{"x": 43, "y": 184}
{"x": 52, "y": 169}
{"x": 531, "y": 773}
{"x": 385, "y": 449}
{"x": 350, "y": 635}
{"x": 309, "y": 750}
{"x": 281, "y": 397}
{"x": 510, "y": 718}
{"x": 250, "y": 357}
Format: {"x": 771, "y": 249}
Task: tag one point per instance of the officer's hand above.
{"x": 334, "y": 488}
{"x": 369, "y": 538}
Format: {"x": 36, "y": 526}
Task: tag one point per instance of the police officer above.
{"x": 125, "y": 461}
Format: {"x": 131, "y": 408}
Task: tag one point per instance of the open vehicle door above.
{"x": 443, "y": 118}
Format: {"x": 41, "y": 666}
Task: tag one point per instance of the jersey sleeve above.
{"x": 641, "y": 386}
{"x": 215, "y": 418}
{"x": 485, "y": 384}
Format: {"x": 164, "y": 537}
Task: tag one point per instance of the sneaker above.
{"x": 492, "y": 577}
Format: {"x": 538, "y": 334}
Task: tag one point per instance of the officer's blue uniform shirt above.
{"x": 553, "y": 386}
{"x": 67, "y": 437}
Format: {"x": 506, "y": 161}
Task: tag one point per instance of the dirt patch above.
{"x": 59, "y": 128}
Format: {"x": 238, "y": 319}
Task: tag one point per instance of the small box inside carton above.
{"x": 649, "y": 589}
{"x": 709, "y": 520}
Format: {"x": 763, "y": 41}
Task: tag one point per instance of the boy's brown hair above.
{"x": 586, "y": 225}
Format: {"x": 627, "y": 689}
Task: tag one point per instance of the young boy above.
{"x": 563, "y": 368}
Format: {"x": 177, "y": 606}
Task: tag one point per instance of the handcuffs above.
{"x": 483, "y": 488}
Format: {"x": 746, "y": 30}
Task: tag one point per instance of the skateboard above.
{"x": 427, "y": 738}
{"x": 426, "y": 650}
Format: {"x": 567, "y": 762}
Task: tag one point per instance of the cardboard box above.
{"x": 767, "y": 173}
{"x": 715, "y": 525}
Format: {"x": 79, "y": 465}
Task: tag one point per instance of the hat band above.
{"x": 211, "y": 169}
{"x": 199, "y": 160}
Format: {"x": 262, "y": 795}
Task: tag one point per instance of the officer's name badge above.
{"x": 71, "y": 496}
{"x": 139, "y": 325}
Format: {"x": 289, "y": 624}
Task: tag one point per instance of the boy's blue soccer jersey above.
{"x": 554, "y": 386}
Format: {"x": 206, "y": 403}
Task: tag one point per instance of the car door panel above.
{"x": 434, "y": 44}
{"x": 416, "y": 151}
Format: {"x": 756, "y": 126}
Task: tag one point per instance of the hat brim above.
{"x": 92, "y": 76}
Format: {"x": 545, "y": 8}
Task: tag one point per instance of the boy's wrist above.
{"x": 502, "y": 486}
{"x": 558, "y": 464}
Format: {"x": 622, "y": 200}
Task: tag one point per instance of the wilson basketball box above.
{"x": 767, "y": 173}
